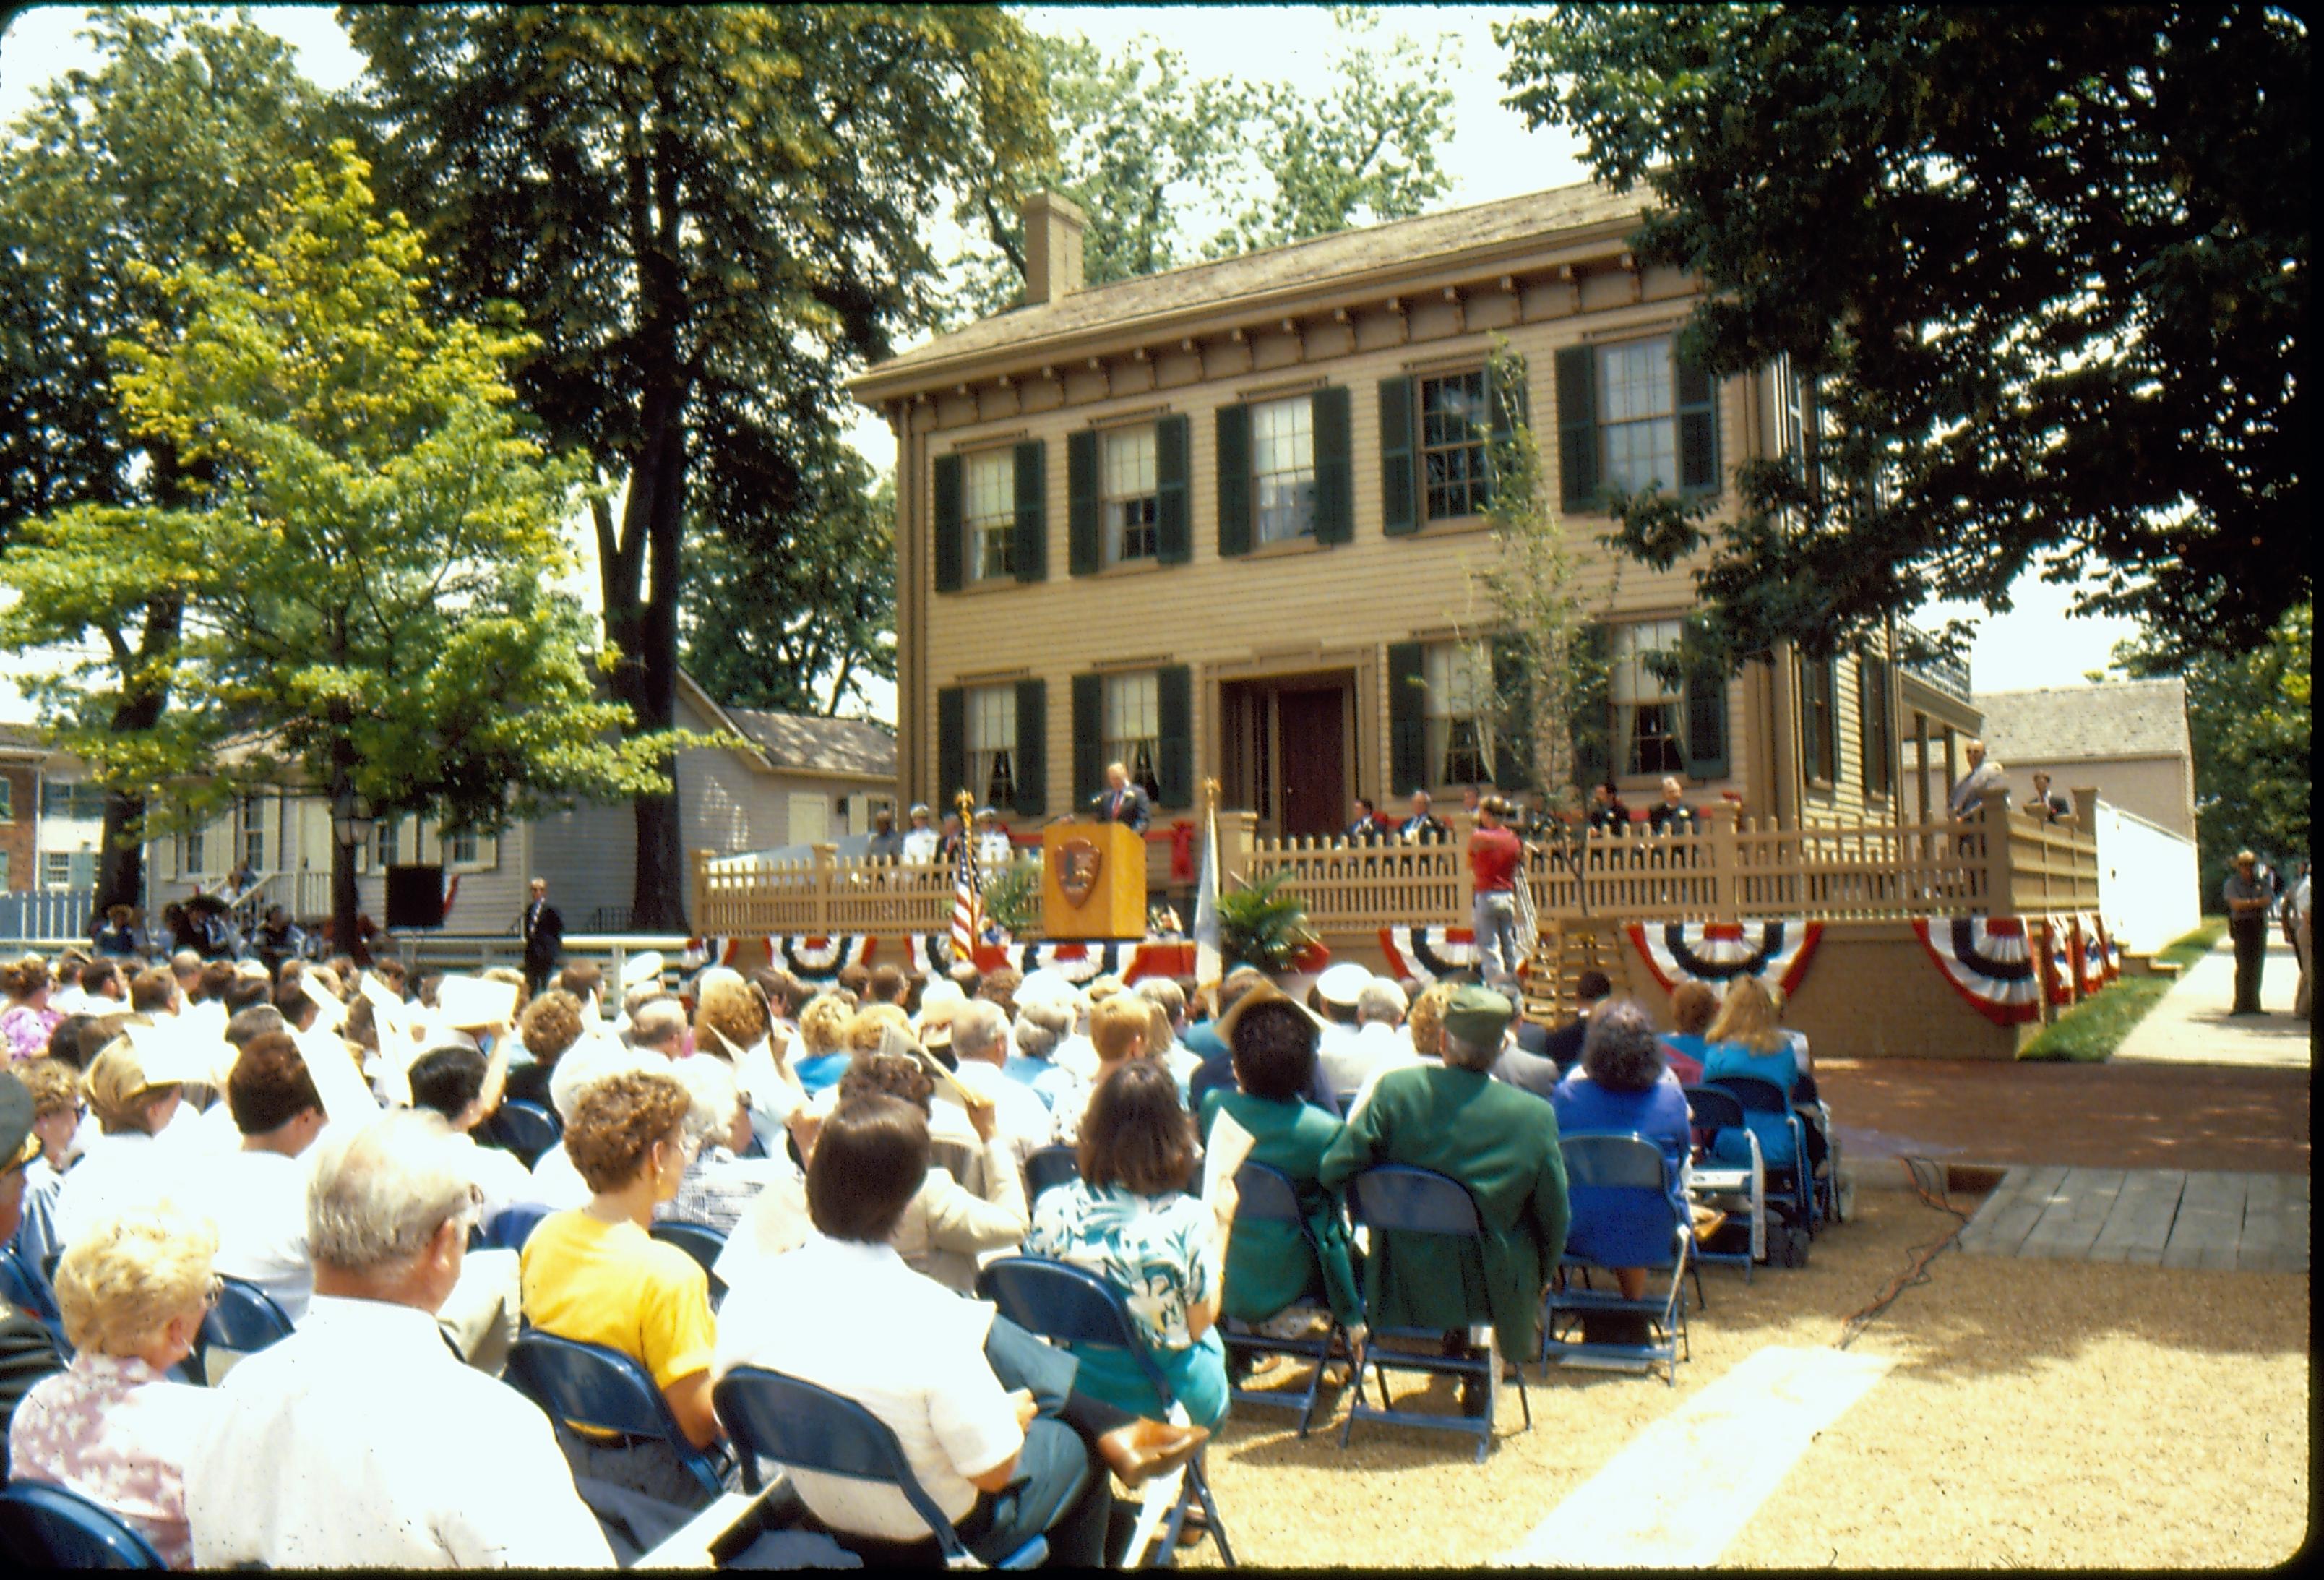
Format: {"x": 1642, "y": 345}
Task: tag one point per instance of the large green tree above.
{"x": 366, "y": 566}
{"x": 800, "y": 625}
{"x": 709, "y": 216}
{"x": 1171, "y": 168}
{"x": 2249, "y": 719}
{"x": 2048, "y": 267}
{"x": 180, "y": 138}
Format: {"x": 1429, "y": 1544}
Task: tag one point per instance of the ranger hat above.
{"x": 1478, "y": 1016}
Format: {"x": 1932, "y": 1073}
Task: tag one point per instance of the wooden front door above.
{"x": 1311, "y": 731}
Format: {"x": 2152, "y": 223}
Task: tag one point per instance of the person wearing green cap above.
{"x": 28, "y": 1351}
{"x": 1500, "y": 1142}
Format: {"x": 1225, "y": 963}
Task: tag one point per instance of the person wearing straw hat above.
{"x": 133, "y": 1090}
{"x": 28, "y": 1351}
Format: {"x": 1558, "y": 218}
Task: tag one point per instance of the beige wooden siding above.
{"x": 1271, "y": 604}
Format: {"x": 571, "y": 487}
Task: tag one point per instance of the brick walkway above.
{"x": 2254, "y": 1222}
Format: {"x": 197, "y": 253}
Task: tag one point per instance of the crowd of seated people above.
{"x": 328, "y": 1137}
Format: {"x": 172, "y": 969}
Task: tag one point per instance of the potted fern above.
{"x": 1263, "y": 925}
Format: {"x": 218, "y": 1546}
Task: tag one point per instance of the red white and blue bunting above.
{"x": 2059, "y": 958}
{"x": 1428, "y": 953}
{"x": 1720, "y": 951}
{"x": 819, "y": 959}
{"x": 2090, "y": 953}
{"x": 1989, "y": 962}
{"x": 2109, "y": 957}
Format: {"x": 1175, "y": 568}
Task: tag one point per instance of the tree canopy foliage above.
{"x": 366, "y": 565}
{"x": 175, "y": 144}
{"x": 1172, "y": 169}
{"x": 708, "y": 216}
{"x": 2048, "y": 266}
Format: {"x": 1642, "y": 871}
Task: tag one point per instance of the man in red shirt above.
{"x": 1494, "y": 854}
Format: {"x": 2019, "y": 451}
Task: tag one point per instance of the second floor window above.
{"x": 1133, "y": 729}
{"x": 992, "y": 744}
{"x": 1453, "y": 428}
{"x": 989, "y": 515}
{"x": 1459, "y": 720}
{"x": 193, "y": 850}
{"x": 1637, "y": 420}
{"x": 1283, "y": 468}
{"x": 1132, "y": 501}
{"x": 1649, "y": 720}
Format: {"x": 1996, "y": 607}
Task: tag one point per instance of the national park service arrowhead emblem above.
{"x": 1078, "y": 863}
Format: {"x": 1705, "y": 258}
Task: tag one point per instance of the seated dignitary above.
{"x": 1128, "y": 1220}
{"x": 844, "y": 1312}
{"x": 28, "y": 1351}
{"x": 257, "y": 1197}
{"x": 594, "y": 1275}
{"x": 113, "y": 1426}
{"x": 1500, "y": 1142}
{"x": 361, "y": 1441}
{"x": 719, "y": 1182}
{"x": 1270, "y": 1266}
{"x": 947, "y": 1225}
{"x": 123, "y": 1168}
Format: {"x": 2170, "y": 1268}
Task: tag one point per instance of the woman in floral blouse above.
{"x": 26, "y": 1022}
{"x": 112, "y": 1426}
{"x": 1128, "y": 1220}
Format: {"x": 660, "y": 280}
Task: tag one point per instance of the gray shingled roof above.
{"x": 2122, "y": 718}
{"x": 1395, "y": 245}
{"x": 810, "y": 745}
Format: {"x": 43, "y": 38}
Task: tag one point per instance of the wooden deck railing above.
{"x": 2004, "y": 864}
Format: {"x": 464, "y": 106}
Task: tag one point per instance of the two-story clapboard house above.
{"x": 1226, "y": 520}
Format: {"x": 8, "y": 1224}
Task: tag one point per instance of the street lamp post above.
{"x": 352, "y": 821}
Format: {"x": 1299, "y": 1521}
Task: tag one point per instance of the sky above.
{"x": 1491, "y": 155}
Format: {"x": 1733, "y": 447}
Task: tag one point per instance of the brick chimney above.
{"x": 1053, "y": 247}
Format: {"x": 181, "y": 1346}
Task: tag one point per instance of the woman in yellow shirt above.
{"x": 596, "y": 1276}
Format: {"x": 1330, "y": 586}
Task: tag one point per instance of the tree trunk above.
{"x": 344, "y": 904}
{"x": 120, "y": 864}
{"x": 646, "y": 630}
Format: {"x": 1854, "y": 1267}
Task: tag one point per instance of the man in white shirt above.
{"x": 257, "y": 1196}
{"x": 919, "y": 840}
{"x": 1984, "y": 774}
{"x": 1003, "y": 1465}
{"x": 979, "y": 1042}
{"x": 1379, "y": 1043}
{"x": 1339, "y": 1052}
{"x": 125, "y": 1167}
{"x": 360, "y": 1441}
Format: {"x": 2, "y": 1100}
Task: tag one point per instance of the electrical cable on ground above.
{"x": 1917, "y": 1272}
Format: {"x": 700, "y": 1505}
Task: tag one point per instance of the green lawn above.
{"x": 2090, "y": 1031}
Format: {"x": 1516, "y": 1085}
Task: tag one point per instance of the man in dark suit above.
{"x": 544, "y": 938}
{"x": 1121, "y": 801}
{"x": 1563, "y": 1047}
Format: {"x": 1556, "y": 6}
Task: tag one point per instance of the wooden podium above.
{"x": 1093, "y": 881}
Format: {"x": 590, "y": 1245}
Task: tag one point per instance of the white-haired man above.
{"x": 980, "y": 1043}
{"x": 361, "y": 1441}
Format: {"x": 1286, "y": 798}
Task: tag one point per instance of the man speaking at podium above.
{"x": 1121, "y": 801}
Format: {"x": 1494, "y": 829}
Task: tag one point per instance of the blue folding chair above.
{"x": 1398, "y": 1198}
{"x": 1618, "y": 1187}
{"x": 589, "y": 1385}
{"x": 512, "y": 1226}
{"x": 1709, "y": 1110}
{"x": 1050, "y": 1166}
{"x": 244, "y": 1321}
{"x": 525, "y": 1129}
{"x": 1068, "y": 1304}
{"x": 1768, "y": 1113}
{"x": 803, "y": 1426}
{"x": 1266, "y": 1195}
{"x": 44, "y": 1527}
{"x": 699, "y": 1240}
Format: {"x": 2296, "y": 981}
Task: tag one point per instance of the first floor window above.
{"x": 1453, "y": 427}
{"x": 193, "y": 850}
{"x": 1282, "y": 467}
{"x": 989, "y": 514}
{"x": 1459, "y": 717}
{"x": 1133, "y": 729}
{"x": 463, "y": 850}
{"x": 1650, "y": 712}
{"x": 56, "y": 869}
{"x": 251, "y": 843}
{"x": 992, "y": 744}
{"x": 1637, "y": 417}
{"x": 1133, "y": 504}
{"x": 387, "y": 833}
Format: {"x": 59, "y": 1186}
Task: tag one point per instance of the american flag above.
{"x": 967, "y": 897}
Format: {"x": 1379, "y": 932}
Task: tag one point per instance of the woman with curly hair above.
{"x": 1620, "y": 1087}
{"x": 820, "y": 1056}
{"x": 550, "y": 1024}
{"x": 733, "y": 1022}
{"x": 26, "y": 1022}
{"x": 595, "y": 1275}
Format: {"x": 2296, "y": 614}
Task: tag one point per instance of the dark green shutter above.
{"x": 1818, "y": 751}
{"x": 1089, "y": 738}
{"x": 1174, "y": 709}
{"x": 1871, "y": 702}
{"x": 1173, "y": 526}
{"x": 1592, "y": 750}
{"x": 1811, "y": 457}
{"x": 1235, "y": 480}
{"x": 1512, "y": 716}
{"x": 1408, "y": 729}
{"x": 952, "y": 743}
{"x": 1084, "y": 552}
{"x": 946, "y": 487}
{"x": 1032, "y": 748}
{"x": 1577, "y": 426}
{"x": 1706, "y": 724}
{"x": 1031, "y": 544}
{"x": 1335, "y": 485}
{"x": 1399, "y": 474}
{"x": 1698, "y": 427}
